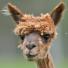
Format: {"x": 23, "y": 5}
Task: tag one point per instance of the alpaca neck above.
{"x": 45, "y": 63}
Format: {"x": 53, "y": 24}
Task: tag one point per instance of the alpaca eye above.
{"x": 22, "y": 37}
{"x": 46, "y": 37}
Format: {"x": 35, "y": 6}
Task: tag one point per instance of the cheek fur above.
{"x": 42, "y": 54}
{"x": 42, "y": 51}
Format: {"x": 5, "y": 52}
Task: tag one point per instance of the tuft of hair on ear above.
{"x": 57, "y": 12}
{"x": 15, "y": 12}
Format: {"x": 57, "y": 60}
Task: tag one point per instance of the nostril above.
{"x": 31, "y": 46}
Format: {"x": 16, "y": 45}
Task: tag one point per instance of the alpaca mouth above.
{"x": 31, "y": 56}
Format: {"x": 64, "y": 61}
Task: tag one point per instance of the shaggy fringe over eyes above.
{"x": 47, "y": 25}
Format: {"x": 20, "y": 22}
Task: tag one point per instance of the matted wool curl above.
{"x": 46, "y": 25}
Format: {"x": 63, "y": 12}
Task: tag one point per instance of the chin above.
{"x": 35, "y": 58}
{"x": 32, "y": 58}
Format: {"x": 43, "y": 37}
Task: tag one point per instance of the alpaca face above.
{"x": 37, "y": 32}
{"x": 35, "y": 46}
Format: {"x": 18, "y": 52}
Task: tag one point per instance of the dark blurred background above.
{"x": 10, "y": 55}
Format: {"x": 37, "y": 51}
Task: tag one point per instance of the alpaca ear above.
{"x": 15, "y": 12}
{"x": 57, "y": 12}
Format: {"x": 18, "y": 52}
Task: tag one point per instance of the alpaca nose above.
{"x": 30, "y": 46}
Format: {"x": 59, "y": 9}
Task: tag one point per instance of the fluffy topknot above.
{"x": 29, "y": 23}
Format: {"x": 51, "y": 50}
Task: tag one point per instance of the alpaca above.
{"x": 36, "y": 33}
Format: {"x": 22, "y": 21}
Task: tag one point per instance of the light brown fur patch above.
{"x": 44, "y": 23}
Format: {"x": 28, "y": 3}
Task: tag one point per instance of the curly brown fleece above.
{"x": 29, "y": 23}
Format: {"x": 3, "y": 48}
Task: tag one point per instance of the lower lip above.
{"x": 31, "y": 56}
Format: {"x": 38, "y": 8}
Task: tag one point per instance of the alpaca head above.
{"x": 36, "y": 32}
